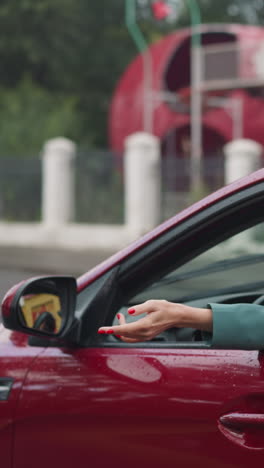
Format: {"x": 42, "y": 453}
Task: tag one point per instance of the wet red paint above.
{"x": 138, "y": 407}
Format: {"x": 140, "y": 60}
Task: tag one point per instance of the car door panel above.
{"x": 16, "y": 358}
{"x": 147, "y": 406}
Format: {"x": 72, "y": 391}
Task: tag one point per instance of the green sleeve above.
{"x": 237, "y": 326}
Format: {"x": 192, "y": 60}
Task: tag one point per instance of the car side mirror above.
{"x": 42, "y": 306}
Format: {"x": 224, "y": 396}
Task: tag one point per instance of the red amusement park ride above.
{"x": 232, "y": 57}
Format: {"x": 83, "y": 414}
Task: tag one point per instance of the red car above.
{"x": 72, "y": 397}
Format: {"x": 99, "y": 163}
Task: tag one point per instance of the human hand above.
{"x": 160, "y": 315}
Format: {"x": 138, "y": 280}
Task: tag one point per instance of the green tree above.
{"x": 29, "y": 115}
{"x": 75, "y": 51}
{"x": 71, "y": 47}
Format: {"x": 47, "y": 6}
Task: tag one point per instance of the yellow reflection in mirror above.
{"x": 35, "y": 306}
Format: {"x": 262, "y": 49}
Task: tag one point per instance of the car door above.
{"x": 174, "y": 400}
{"x": 15, "y": 360}
{"x": 139, "y": 406}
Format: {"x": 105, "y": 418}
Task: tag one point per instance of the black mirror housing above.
{"x": 42, "y": 306}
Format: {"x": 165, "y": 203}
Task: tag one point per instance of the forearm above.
{"x": 194, "y": 317}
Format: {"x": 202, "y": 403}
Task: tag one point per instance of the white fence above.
{"x": 57, "y": 228}
{"x": 142, "y": 183}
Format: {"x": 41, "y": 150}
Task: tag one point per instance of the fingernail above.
{"x": 101, "y": 331}
{"x": 118, "y": 336}
{"x": 118, "y": 316}
{"x": 110, "y": 331}
{"x": 131, "y": 311}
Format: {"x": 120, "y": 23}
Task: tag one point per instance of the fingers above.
{"x": 122, "y": 321}
{"x": 145, "y": 308}
{"x": 139, "y": 330}
{"x": 111, "y": 330}
{"x": 127, "y": 329}
{"x": 130, "y": 340}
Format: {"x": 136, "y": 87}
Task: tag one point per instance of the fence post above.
{"x": 142, "y": 182}
{"x": 241, "y": 158}
{"x": 58, "y": 181}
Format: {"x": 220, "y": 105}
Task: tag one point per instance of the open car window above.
{"x": 230, "y": 272}
{"x": 231, "y": 267}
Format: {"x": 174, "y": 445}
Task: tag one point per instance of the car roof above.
{"x": 226, "y": 191}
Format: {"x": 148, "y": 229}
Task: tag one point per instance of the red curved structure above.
{"x": 171, "y": 72}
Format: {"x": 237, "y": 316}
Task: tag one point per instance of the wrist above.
{"x": 195, "y": 317}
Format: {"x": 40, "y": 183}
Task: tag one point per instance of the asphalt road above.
{"x": 17, "y": 263}
{"x": 50, "y": 261}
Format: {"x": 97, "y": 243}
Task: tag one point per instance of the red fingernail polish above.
{"x": 110, "y": 331}
{"x": 131, "y": 311}
{"x": 118, "y": 316}
{"x": 118, "y": 336}
{"x": 101, "y": 331}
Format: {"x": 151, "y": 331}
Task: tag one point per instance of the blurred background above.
{"x": 95, "y": 73}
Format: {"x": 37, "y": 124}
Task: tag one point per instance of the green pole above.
{"x": 195, "y": 21}
{"x": 132, "y": 26}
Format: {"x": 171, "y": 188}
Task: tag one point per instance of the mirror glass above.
{"x": 41, "y": 306}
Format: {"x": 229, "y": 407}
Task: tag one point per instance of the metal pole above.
{"x": 143, "y": 48}
{"x": 196, "y": 96}
{"x": 233, "y": 106}
{"x": 237, "y": 111}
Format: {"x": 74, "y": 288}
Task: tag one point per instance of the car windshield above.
{"x": 234, "y": 265}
